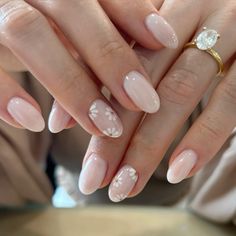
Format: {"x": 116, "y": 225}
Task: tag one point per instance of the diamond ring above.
{"x": 205, "y": 41}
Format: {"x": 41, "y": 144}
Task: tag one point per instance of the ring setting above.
{"x": 205, "y": 41}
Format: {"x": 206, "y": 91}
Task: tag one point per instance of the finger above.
{"x": 28, "y": 34}
{"x": 109, "y": 56}
{"x": 156, "y": 63}
{"x": 103, "y": 157}
{"x": 17, "y": 107}
{"x": 141, "y": 20}
{"x": 9, "y": 62}
{"x": 180, "y": 91}
{"x": 208, "y": 133}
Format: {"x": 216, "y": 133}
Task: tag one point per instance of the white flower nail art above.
{"x": 117, "y": 181}
{"x": 93, "y": 111}
{"x": 123, "y": 183}
{"x": 110, "y": 114}
{"x": 133, "y": 174}
{"x": 119, "y": 197}
{"x": 105, "y": 119}
{"x": 112, "y": 132}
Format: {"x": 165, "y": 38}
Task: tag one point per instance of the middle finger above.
{"x": 104, "y": 50}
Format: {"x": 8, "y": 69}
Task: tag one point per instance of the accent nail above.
{"x": 141, "y": 92}
{"x": 92, "y": 174}
{"x": 26, "y": 114}
{"x": 162, "y": 30}
{"x": 105, "y": 119}
{"x": 182, "y": 166}
{"x": 122, "y": 184}
{"x": 58, "y": 118}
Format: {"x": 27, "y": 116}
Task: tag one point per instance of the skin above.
{"x": 59, "y": 64}
{"x": 181, "y": 78}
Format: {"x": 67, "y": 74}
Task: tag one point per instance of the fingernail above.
{"x": 58, "y": 118}
{"x": 92, "y": 174}
{"x": 162, "y": 30}
{"x": 26, "y": 114}
{"x": 105, "y": 119}
{"x": 122, "y": 184}
{"x": 141, "y": 92}
{"x": 182, "y": 166}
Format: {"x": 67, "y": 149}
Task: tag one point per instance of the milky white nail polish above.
{"x": 92, "y": 174}
{"x": 58, "y": 118}
{"x": 162, "y": 30}
{"x": 123, "y": 183}
{"x": 141, "y": 92}
{"x": 26, "y": 114}
{"x": 181, "y": 167}
{"x": 105, "y": 119}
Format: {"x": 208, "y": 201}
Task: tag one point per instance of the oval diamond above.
{"x": 207, "y": 39}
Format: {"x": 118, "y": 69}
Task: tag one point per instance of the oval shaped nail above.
{"x": 105, "y": 119}
{"x": 181, "y": 167}
{"x": 92, "y": 174}
{"x": 141, "y": 92}
{"x": 122, "y": 184}
{"x": 58, "y": 118}
{"x": 162, "y": 30}
{"x": 26, "y": 114}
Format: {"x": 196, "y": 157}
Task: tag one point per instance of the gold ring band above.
{"x": 215, "y": 55}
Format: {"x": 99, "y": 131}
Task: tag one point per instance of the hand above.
{"x": 56, "y": 48}
{"x": 182, "y": 78}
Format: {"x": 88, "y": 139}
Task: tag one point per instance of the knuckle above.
{"x": 210, "y": 129}
{"x": 179, "y": 86}
{"x": 144, "y": 145}
{"x": 227, "y": 91}
{"x": 55, "y": 7}
{"x": 17, "y": 19}
{"x": 110, "y": 49}
{"x": 69, "y": 82}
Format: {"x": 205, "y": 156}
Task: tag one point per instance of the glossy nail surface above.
{"x": 161, "y": 30}
{"x": 58, "y": 118}
{"x": 141, "y": 92}
{"x": 92, "y": 174}
{"x": 26, "y": 114}
{"x": 105, "y": 119}
{"x": 181, "y": 167}
{"x": 122, "y": 184}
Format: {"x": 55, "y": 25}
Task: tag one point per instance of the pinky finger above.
{"x": 208, "y": 134}
{"x": 17, "y": 107}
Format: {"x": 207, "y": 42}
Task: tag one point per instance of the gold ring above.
{"x": 205, "y": 41}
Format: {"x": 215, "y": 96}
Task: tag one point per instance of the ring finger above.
{"x": 180, "y": 91}
{"x": 208, "y": 133}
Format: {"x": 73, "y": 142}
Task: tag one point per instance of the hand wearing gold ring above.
{"x": 182, "y": 78}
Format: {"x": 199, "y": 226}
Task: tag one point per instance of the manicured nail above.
{"x": 58, "y": 118}
{"x": 141, "y": 92}
{"x": 122, "y": 184}
{"x": 92, "y": 174}
{"x": 162, "y": 30}
{"x": 105, "y": 119}
{"x": 26, "y": 114}
{"x": 182, "y": 166}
